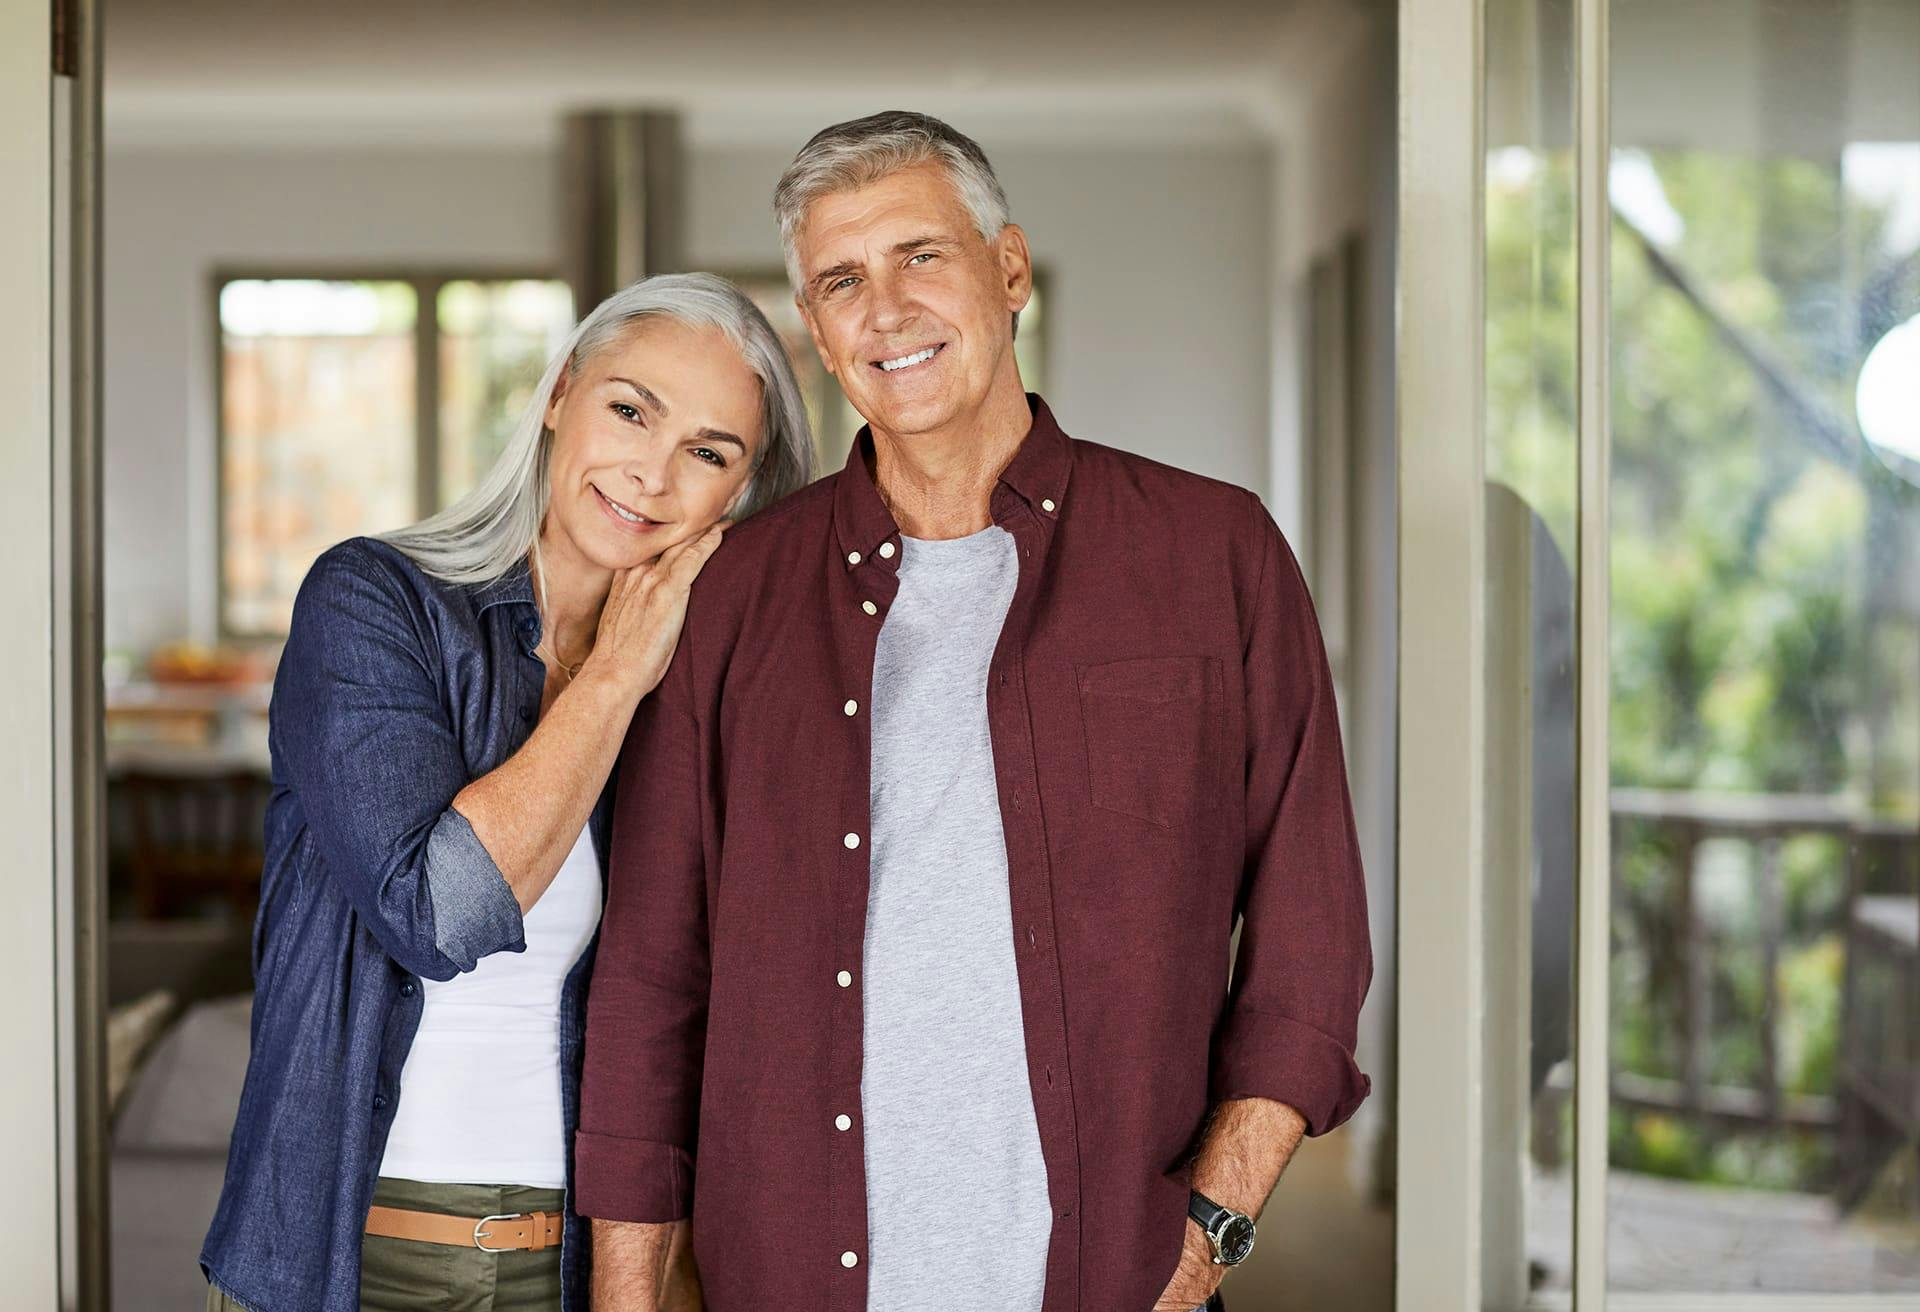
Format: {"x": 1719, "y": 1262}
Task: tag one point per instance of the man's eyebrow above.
{"x": 838, "y": 270}
{"x": 646, "y": 394}
{"x": 919, "y": 243}
{"x": 906, "y": 247}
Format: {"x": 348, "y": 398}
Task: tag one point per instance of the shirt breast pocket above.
{"x": 1152, "y": 726}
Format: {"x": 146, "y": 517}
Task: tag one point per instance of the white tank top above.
{"x": 480, "y": 1091}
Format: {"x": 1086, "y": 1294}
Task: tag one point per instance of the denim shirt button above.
{"x": 526, "y": 714}
{"x": 407, "y": 990}
{"x": 379, "y": 1101}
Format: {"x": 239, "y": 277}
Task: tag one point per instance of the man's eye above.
{"x": 841, "y": 285}
{"x": 923, "y": 255}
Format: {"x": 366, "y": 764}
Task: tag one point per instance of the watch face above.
{"x": 1236, "y": 1240}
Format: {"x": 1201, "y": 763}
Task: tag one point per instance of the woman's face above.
{"x": 654, "y": 439}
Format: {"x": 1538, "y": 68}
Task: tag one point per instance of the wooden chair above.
{"x": 194, "y": 837}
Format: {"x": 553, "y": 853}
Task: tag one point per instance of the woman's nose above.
{"x": 650, "y": 469}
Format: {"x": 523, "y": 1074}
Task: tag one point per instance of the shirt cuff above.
{"x": 474, "y": 912}
{"x": 1265, "y": 1055}
{"x": 619, "y": 1179}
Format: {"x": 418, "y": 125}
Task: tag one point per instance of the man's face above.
{"x": 910, "y": 307}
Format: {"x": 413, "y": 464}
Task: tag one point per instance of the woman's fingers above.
{"x": 692, "y": 556}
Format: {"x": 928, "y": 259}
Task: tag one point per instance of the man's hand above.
{"x": 1195, "y": 1279}
{"x": 1243, "y": 1150}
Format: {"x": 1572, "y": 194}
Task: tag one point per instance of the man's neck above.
{"x": 939, "y": 484}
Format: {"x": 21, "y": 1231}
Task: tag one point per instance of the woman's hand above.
{"x": 640, "y": 623}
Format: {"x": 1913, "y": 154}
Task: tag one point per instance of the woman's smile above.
{"x": 630, "y": 521}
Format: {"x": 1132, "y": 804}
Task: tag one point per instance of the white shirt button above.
{"x": 849, "y": 1259}
{"x": 852, "y": 707}
{"x": 843, "y": 1122}
{"x": 853, "y": 558}
{"x": 869, "y": 608}
{"x": 844, "y": 978}
{"x": 886, "y": 551}
{"x": 852, "y": 841}
{"x": 1047, "y": 506}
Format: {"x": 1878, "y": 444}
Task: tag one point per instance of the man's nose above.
{"x": 889, "y": 305}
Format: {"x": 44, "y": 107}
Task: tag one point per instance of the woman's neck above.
{"x": 571, "y": 591}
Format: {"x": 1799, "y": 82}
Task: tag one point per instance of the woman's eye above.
{"x": 711, "y": 456}
{"x": 626, "y": 411}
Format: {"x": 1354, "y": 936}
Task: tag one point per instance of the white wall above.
{"x": 1158, "y": 337}
{"x": 1335, "y": 178}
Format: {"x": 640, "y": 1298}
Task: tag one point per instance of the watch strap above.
{"x": 1205, "y": 1212}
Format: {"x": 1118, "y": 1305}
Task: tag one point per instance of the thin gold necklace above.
{"x": 554, "y": 651}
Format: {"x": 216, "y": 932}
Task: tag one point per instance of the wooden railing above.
{"x": 1876, "y": 1099}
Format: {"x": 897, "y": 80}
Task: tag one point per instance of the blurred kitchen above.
{"x": 340, "y": 242}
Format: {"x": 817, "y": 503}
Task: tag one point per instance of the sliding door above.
{"x": 1660, "y": 756}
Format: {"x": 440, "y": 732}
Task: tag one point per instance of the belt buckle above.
{"x": 482, "y": 1224}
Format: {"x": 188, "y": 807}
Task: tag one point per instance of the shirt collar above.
{"x": 1038, "y": 474}
{"x": 516, "y": 585}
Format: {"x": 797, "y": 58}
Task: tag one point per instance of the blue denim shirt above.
{"x": 395, "y": 691}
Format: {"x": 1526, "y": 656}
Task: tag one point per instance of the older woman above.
{"x": 445, "y": 720}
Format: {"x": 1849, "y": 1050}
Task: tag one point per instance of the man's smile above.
{"x": 909, "y": 361}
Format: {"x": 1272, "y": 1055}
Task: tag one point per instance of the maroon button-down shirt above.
{"x": 1169, "y": 763}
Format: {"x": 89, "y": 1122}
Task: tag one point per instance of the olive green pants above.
{"x": 404, "y": 1275}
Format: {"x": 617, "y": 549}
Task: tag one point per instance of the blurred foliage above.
{"x": 1747, "y": 653}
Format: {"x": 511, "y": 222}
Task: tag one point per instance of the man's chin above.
{"x": 913, "y": 418}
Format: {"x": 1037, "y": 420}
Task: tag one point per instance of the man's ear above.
{"x": 1016, "y": 265}
{"x": 813, "y": 331}
{"x": 559, "y": 392}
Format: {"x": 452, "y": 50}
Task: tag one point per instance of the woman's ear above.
{"x": 559, "y": 394}
{"x": 733, "y": 503}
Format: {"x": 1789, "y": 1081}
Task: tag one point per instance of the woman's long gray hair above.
{"x": 497, "y": 525}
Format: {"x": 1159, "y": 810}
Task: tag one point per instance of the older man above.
{"x": 913, "y": 985}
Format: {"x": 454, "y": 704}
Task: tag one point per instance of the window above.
{"x": 356, "y": 405}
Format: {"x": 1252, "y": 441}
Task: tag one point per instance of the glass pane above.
{"x": 317, "y": 432}
{"x": 495, "y": 341}
{"x": 1766, "y": 647}
{"x": 1532, "y": 489}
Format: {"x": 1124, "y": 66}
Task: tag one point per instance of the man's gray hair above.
{"x": 497, "y": 525}
{"x": 858, "y": 153}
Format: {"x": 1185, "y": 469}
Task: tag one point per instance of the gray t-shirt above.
{"x": 957, "y": 1207}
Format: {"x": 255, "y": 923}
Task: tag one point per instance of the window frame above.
{"x": 426, "y": 281}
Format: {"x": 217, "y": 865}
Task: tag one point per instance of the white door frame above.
{"x": 1437, "y": 1236}
{"x": 30, "y": 1034}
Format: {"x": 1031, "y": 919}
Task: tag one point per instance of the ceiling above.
{"x": 358, "y": 71}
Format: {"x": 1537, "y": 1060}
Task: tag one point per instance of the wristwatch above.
{"x": 1230, "y": 1232}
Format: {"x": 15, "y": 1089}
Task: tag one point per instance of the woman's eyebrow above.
{"x": 646, "y": 394}
{"x": 720, "y": 435}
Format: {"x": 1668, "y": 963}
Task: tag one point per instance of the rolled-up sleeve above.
{"x": 1304, "y": 959}
{"x": 361, "y": 734}
{"x": 647, "y": 1009}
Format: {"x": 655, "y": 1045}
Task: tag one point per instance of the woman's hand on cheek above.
{"x": 640, "y": 623}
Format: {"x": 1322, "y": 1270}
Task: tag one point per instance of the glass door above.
{"x": 1660, "y": 773}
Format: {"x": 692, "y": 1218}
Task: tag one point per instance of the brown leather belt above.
{"x": 489, "y": 1234}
